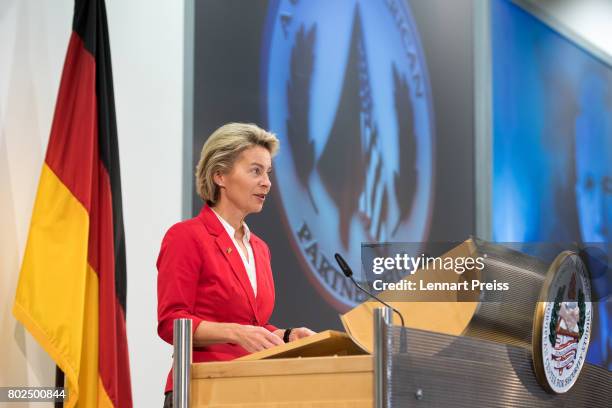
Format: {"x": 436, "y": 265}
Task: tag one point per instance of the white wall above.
{"x": 591, "y": 19}
{"x": 33, "y": 39}
{"x": 147, "y": 50}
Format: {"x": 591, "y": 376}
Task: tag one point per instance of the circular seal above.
{"x": 562, "y": 324}
{"x": 347, "y": 92}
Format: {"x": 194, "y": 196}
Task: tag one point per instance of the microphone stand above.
{"x": 348, "y": 272}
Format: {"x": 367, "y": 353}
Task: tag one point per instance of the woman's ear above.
{"x": 219, "y": 179}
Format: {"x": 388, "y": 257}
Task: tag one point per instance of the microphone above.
{"x": 349, "y": 274}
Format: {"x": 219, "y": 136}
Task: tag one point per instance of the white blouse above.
{"x": 247, "y": 259}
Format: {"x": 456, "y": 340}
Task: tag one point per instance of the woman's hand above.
{"x": 255, "y": 338}
{"x": 299, "y": 333}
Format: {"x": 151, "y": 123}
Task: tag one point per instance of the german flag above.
{"x": 72, "y": 287}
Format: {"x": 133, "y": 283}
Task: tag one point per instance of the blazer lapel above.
{"x": 259, "y": 269}
{"x": 230, "y": 252}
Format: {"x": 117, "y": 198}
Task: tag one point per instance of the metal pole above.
{"x": 382, "y": 322}
{"x": 181, "y": 374}
{"x": 59, "y": 383}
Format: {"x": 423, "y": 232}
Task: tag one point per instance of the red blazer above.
{"x": 201, "y": 277}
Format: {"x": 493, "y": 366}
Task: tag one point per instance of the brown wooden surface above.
{"x": 281, "y": 366}
{"x": 325, "y": 343}
{"x": 312, "y": 382}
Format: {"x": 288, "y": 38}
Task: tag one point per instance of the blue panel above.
{"x": 552, "y": 146}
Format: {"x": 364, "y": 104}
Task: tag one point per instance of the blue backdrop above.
{"x": 552, "y": 145}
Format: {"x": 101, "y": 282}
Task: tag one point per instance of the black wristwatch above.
{"x": 286, "y": 335}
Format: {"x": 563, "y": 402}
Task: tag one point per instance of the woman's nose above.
{"x": 266, "y": 180}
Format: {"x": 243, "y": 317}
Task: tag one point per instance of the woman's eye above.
{"x": 256, "y": 171}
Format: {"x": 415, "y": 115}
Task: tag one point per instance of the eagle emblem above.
{"x": 352, "y": 163}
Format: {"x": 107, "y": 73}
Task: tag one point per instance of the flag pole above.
{"x": 59, "y": 383}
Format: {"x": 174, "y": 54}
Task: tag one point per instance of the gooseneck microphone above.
{"x": 349, "y": 274}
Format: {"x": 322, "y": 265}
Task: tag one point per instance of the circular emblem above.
{"x": 347, "y": 92}
{"x": 562, "y": 324}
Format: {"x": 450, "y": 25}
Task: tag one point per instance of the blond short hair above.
{"x": 221, "y": 151}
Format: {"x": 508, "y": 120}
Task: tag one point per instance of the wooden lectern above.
{"x": 325, "y": 370}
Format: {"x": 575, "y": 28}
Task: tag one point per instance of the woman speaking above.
{"x": 212, "y": 269}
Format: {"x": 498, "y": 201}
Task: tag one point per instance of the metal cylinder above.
{"x": 382, "y": 338}
{"x": 181, "y": 374}
{"x": 507, "y": 316}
